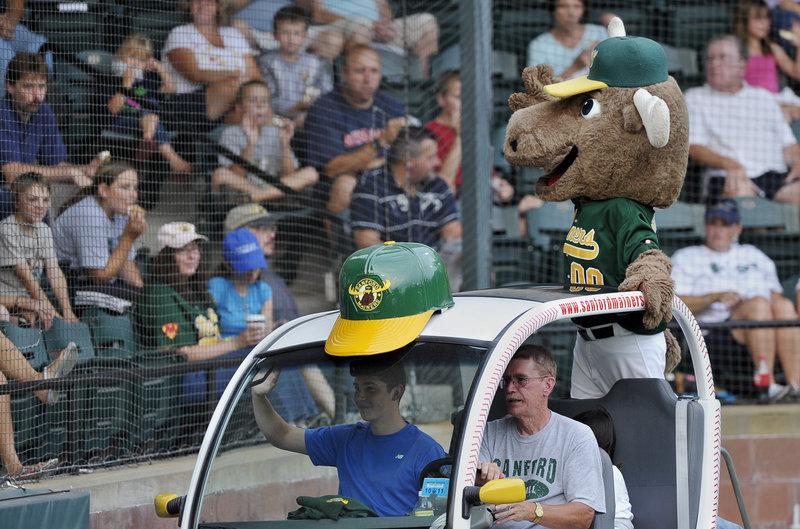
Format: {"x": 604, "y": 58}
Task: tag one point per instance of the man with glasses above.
{"x": 556, "y": 457}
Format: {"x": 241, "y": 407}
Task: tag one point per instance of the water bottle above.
{"x": 761, "y": 379}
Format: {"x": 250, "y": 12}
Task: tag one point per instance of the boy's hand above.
{"x": 268, "y": 385}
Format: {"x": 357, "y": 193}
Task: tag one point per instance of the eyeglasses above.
{"x": 519, "y": 380}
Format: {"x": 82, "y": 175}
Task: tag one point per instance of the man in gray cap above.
{"x": 258, "y": 220}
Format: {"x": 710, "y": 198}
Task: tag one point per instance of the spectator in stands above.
{"x": 785, "y": 15}
{"x": 208, "y": 62}
{"x": 254, "y": 18}
{"x": 176, "y": 311}
{"x": 295, "y": 78}
{"x": 264, "y": 140}
{"x": 29, "y": 136}
{"x": 260, "y": 223}
{"x": 739, "y": 133}
{"x": 405, "y": 201}
{"x": 237, "y": 289}
{"x": 447, "y": 128}
{"x": 239, "y": 293}
{"x": 724, "y": 280}
{"x": 372, "y": 21}
{"x": 95, "y": 231}
{"x": 350, "y": 127}
{"x": 14, "y": 366}
{"x": 568, "y": 46}
{"x": 16, "y": 38}
{"x": 139, "y": 80}
{"x": 751, "y": 23}
{"x": 26, "y": 250}
{"x": 299, "y": 408}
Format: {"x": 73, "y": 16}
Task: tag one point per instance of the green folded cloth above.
{"x": 331, "y": 506}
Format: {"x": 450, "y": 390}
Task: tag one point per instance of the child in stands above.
{"x": 139, "y": 80}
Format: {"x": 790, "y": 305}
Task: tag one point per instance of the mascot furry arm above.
{"x": 619, "y": 133}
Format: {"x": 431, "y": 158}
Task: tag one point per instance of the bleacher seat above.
{"x": 692, "y": 25}
{"x": 547, "y": 228}
{"x": 105, "y": 410}
{"x": 72, "y": 26}
{"x": 679, "y": 226}
{"x": 158, "y": 402}
{"x": 112, "y": 334}
{"x": 30, "y": 342}
{"x": 790, "y": 287}
{"x": 63, "y": 332}
{"x": 511, "y": 252}
{"x": 773, "y": 227}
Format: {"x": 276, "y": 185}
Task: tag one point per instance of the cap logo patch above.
{"x": 591, "y": 61}
{"x": 368, "y": 293}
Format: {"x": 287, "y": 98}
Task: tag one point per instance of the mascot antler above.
{"x": 534, "y": 77}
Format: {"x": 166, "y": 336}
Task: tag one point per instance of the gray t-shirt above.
{"x": 289, "y": 81}
{"x": 19, "y": 243}
{"x": 559, "y": 464}
{"x": 267, "y": 153}
{"x": 85, "y": 236}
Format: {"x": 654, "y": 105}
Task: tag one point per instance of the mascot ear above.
{"x": 655, "y": 117}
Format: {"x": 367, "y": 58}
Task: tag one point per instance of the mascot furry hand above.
{"x": 615, "y": 143}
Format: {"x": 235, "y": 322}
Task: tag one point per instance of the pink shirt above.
{"x": 762, "y": 70}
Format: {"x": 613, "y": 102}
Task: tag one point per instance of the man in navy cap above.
{"x": 724, "y": 280}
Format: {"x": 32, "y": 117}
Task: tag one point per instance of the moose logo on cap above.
{"x": 368, "y": 293}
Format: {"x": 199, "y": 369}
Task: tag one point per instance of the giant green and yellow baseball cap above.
{"x": 618, "y": 61}
{"x": 388, "y": 293}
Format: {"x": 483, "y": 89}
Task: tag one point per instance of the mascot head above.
{"x": 620, "y": 132}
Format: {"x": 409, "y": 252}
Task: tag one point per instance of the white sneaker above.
{"x": 776, "y": 392}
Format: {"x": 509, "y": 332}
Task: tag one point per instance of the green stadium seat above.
{"x": 773, "y": 227}
{"x": 26, "y": 416}
{"x": 158, "y": 401}
{"x": 29, "y": 341}
{"x": 547, "y": 228}
{"x": 691, "y": 26}
{"x": 72, "y": 26}
{"x": 63, "y": 332}
{"x": 112, "y": 334}
{"x": 790, "y": 287}
{"x": 680, "y": 225}
{"x": 106, "y": 418}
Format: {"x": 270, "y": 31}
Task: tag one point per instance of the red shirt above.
{"x": 444, "y": 138}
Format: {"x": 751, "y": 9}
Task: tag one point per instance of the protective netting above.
{"x": 210, "y": 109}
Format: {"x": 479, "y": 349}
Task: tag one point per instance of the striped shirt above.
{"x": 379, "y": 204}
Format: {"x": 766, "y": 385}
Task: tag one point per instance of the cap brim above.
{"x": 368, "y": 337}
{"x": 579, "y": 85}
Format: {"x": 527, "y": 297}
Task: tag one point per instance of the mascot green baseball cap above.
{"x": 618, "y": 61}
{"x": 388, "y": 293}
